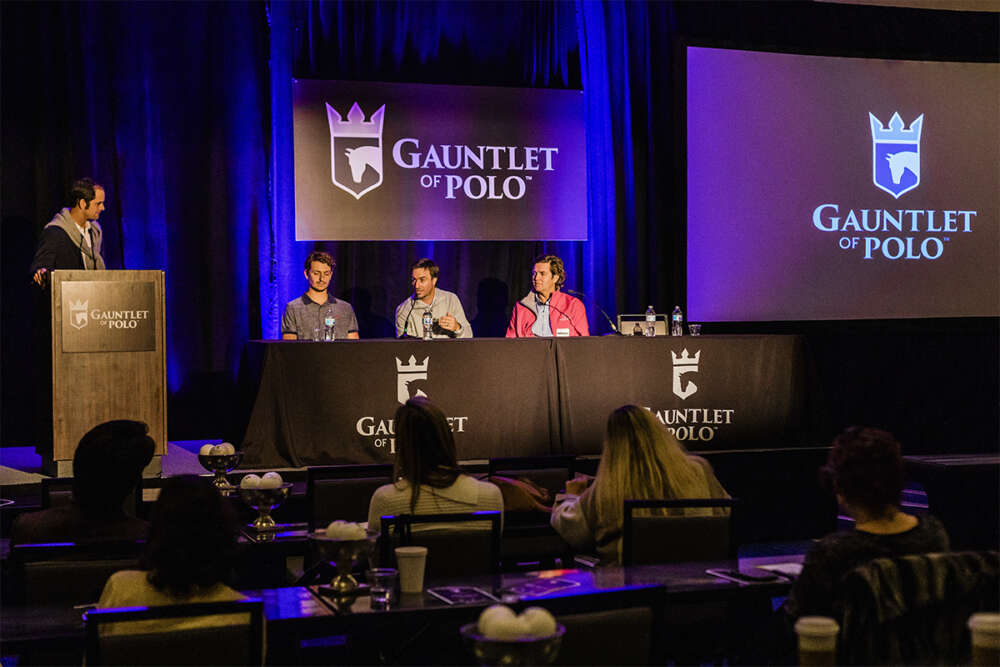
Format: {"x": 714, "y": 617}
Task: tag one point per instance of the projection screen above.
{"x": 841, "y": 188}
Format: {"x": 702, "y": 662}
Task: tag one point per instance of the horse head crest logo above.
{"x": 896, "y": 154}
{"x": 356, "y": 150}
{"x": 78, "y": 317}
{"x": 682, "y": 365}
{"x": 408, "y": 373}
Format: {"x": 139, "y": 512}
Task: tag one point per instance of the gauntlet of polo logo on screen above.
{"x": 895, "y": 170}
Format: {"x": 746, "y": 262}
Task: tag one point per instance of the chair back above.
{"x": 342, "y": 491}
{"x": 69, "y": 572}
{"x": 220, "y": 643}
{"x": 586, "y": 639}
{"x": 548, "y": 472}
{"x": 678, "y": 538}
{"x": 457, "y": 544}
{"x": 58, "y": 492}
{"x": 913, "y": 609}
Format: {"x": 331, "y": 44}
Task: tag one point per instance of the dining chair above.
{"x": 342, "y": 491}
{"x": 548, "y": 472}
{"x": 69, "y": 572}
{"x": 58, "y": 492}
{"x": 457, "y": 543}
{"x": 913, "y": 609}
{"x": 155, "y": 639}
{"x": 675, "y": 538}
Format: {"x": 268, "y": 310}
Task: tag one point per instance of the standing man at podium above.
{"x": 72, "y": 240}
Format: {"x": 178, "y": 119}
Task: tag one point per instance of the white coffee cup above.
{"x": 411, "y": 562}
{"x": 817, "y": 640}
{"x": 985, "y": 638}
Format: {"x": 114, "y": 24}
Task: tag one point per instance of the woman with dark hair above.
{"x": 641, "y": 460}
{"x": 865, "y": 467}
{"x": 428, "y": 480}
{"x": 192, "y": 541}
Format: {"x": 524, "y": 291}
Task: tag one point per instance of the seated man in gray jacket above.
{"x": 448, "y": 317}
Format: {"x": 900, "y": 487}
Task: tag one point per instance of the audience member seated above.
{"x": 865, "y": 467}
{"x": 189, "y": 555}
{"x": 107, "y": 467}
{"x": 641, "y": 460}
{"x": 428, "y": 480}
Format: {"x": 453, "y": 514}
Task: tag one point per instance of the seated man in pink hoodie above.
{"x": 546, "y": 311}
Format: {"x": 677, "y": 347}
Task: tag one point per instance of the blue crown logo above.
{"x": 895, "y": 131}
{"x": 895, "y": 154}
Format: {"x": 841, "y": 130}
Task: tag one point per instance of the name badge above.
{"x": 562, "y": 333}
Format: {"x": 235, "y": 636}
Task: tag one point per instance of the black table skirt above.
{"x": 325, "y": 403}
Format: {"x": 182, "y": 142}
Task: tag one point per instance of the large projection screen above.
{"x": 824, "y": 188}
{"x": 393, "y": 161}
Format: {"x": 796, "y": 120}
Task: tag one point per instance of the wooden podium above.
{"x": 108, "y": 357}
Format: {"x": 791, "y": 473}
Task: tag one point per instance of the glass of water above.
{"x": 381, "y": 583}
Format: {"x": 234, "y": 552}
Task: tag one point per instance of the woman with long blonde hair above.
{"x": 641, "y": 460}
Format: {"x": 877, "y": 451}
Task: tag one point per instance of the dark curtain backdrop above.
{"x": 183, "y": 111}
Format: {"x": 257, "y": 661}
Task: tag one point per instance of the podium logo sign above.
{"x": 78, "y": 314}
{"x": 105, "y": 316}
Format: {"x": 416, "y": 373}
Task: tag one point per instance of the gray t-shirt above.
{"x": 304, "y": 318}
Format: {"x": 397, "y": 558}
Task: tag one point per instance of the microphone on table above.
{"x": 406, "y": 322}
{"x": 610, "y": 323}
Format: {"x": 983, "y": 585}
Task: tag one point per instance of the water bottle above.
{"x": 328, "y": 324}
{"x": 650, "y": 322}
{"x": 677, "y": 322}
{"x": 428, "y": 322}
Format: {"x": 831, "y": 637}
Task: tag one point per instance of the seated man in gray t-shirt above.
{"x": 305, "y": 317}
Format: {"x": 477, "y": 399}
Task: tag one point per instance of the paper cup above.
{"x": 985, "y": 638}
{"x": 817, "y": 640}
{"x": 411, "y": 561}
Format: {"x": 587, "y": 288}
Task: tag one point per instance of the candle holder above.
{"x": 220, "y": 464}
{"x": 523, "y": 651}
{"x": 344, "y": 555}
{"x": 265, "y": 500}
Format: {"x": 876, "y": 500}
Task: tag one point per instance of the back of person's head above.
{"x": 865, "y": 466}
{"x": 108, "y": 464}
{"x": 641, "y": 460}
{"x": 192, "y": 537}
{"x": 425, "y": 447}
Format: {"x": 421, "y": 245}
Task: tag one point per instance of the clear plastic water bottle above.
{"x": 650, "y": 322}
{"x": 328, "y": 327}
{"x": 428, "y": 322}
{"x": 677, "y": 322}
